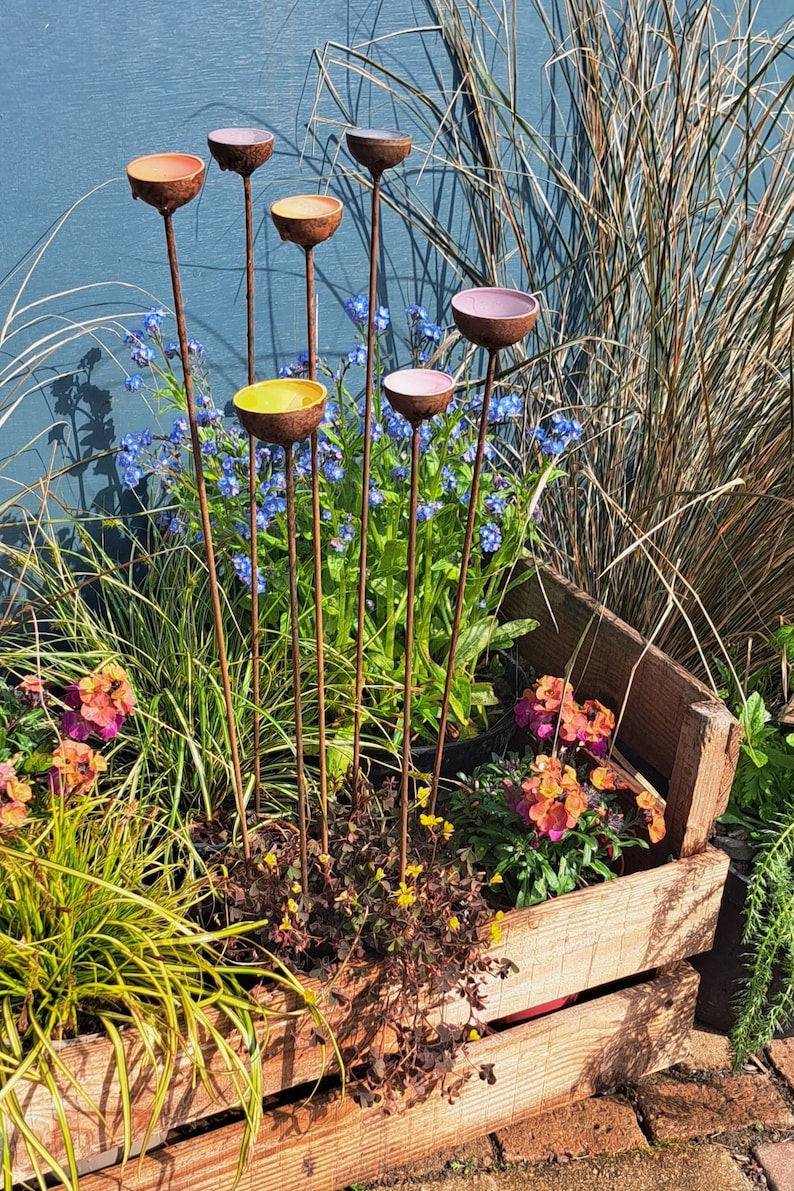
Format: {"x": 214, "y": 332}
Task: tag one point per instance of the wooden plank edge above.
{"x": 328, "y": 1143}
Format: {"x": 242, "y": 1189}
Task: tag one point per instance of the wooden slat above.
{"x": 700, "y": 784}
{"x": 327, "y": 1144}
{"x": 614, "y": 663}
{"x": 584, "y": 940}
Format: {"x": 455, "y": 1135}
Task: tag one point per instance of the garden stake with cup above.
{"x": 167, "y": 181}
{"x": 377, "y": 150}
{"x": 308, "y": 220}
{"x": 418, "y": 394}
{"x": 243, "y": 150}
{"x": 492, "y": 318}
{"x": 285, "y": 412}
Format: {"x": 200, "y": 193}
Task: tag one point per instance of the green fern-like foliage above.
{"x": 765, "y": 1003}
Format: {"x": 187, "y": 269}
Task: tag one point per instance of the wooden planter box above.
{"x": 620, "y": 944}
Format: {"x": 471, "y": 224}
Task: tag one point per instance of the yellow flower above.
{"x": 292, "y": 905}
{"x": 423, "y": 795}
{"x": 379, "y": 873}
{"x": 324, "y": 858}
{"x": 406, "y": 896}
{"x": 447, "y": 829}
{"x": 496, "y": 927}
{"x": 295, "y": 887}
{"x": 454, "y": 922}
{"x": 286, "y": 924}
{"x": 270, "y": 860}
{"x": 496, "y": 879}
{"x": 414, "y": 870}
{"x": 430, "y": 821}
{"x": 474, "y": 1035}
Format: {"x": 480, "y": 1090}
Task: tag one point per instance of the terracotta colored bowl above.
{"x": 241, "y": 150}
{"x": 378, "y": 149}
{"x": 419, "y": 393}
{"x": 283, "y": 411}
{"x": 492, "y": 317}
{"x": 307, "y": 219}
{"x": 166, "y": 180}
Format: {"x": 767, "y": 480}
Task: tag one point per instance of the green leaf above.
{"x": 474, "y": 641}
{"x": 505, "y": 634}
{"x": 753, "y": 717}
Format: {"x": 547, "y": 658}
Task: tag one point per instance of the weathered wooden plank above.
{"x": 584, "y": 940}
{"x": 700, "y": 784}
{"x": 327, "y": 1144}
{"x": 613, "y": 663}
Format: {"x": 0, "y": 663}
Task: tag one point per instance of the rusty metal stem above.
{"x": 464, "y": 567}
{"x": 205, "y": 525}
{"x": 365, "y": 465}
{"x": 409, "y": 650}
{"x": 318, "y": 558}
{"x": 252, "y": 477}
{"x": 296, "y": 666}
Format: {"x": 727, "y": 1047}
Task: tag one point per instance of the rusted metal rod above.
{"x": 464, "y": 568}
{"x": 365, "y": 470}
{"x": 207, "y": 530}
{"x": 296, "y": 666}
{"x": 409, "y": 649}
{"x": 311, "y": 326}
{"x": 252, "y": 495}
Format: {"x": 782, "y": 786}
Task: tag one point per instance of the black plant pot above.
{"x": 461, "y": 756}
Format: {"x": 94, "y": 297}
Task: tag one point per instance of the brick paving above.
{"x": 678, "y": 1111}
{"x": 699, "y": 1127}
{"x": 777, "y": 1162}
{"x": 603, "y": 1125}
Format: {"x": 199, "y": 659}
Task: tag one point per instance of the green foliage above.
{"x": 505, "y": 529}
{"x": 95, "y": 930}
{"x": 765, "y": 1003}
{"x": 764, "y": 778}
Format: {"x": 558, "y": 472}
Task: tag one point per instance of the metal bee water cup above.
{"x": 418, "y": 394}
{"x": 285, "y": 412}
{"x": 377, "y": 150}
{"x": 492, "y": 318}
{"x": 308, "y": 220}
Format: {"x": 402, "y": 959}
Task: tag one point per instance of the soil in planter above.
{"x": 428, "y": 933}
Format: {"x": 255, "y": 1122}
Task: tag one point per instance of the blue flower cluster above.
{"x": 357, "y": 310}
{"x": 490, "y": 537}
{"x": 347, "y": 532}
{"x": 563, "y": 432}
{"x": 300, "y": 367}
{"x": 242, "y": 568}
{"x": 422, "y": 333}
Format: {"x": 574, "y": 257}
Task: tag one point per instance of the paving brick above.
{"x": 708, "y": 1051}
{"x": 602, "y": 1125}
{"x": 781, "y": 1054}
{"x": 669, "y": 1168}
{"x": 676, "y": 1111}
{"x": 777, "y": 1162}
{"x": 463, "y": 1159}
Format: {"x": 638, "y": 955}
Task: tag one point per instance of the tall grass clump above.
{"x": 97, "y": 930}
{"x": 109, "y": 594}
{"x": 650, "y": 203}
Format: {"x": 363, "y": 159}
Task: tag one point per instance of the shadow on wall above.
{"x": 84, "y": 483}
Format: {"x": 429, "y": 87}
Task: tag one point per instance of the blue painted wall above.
{"x": 84, "y": 88}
